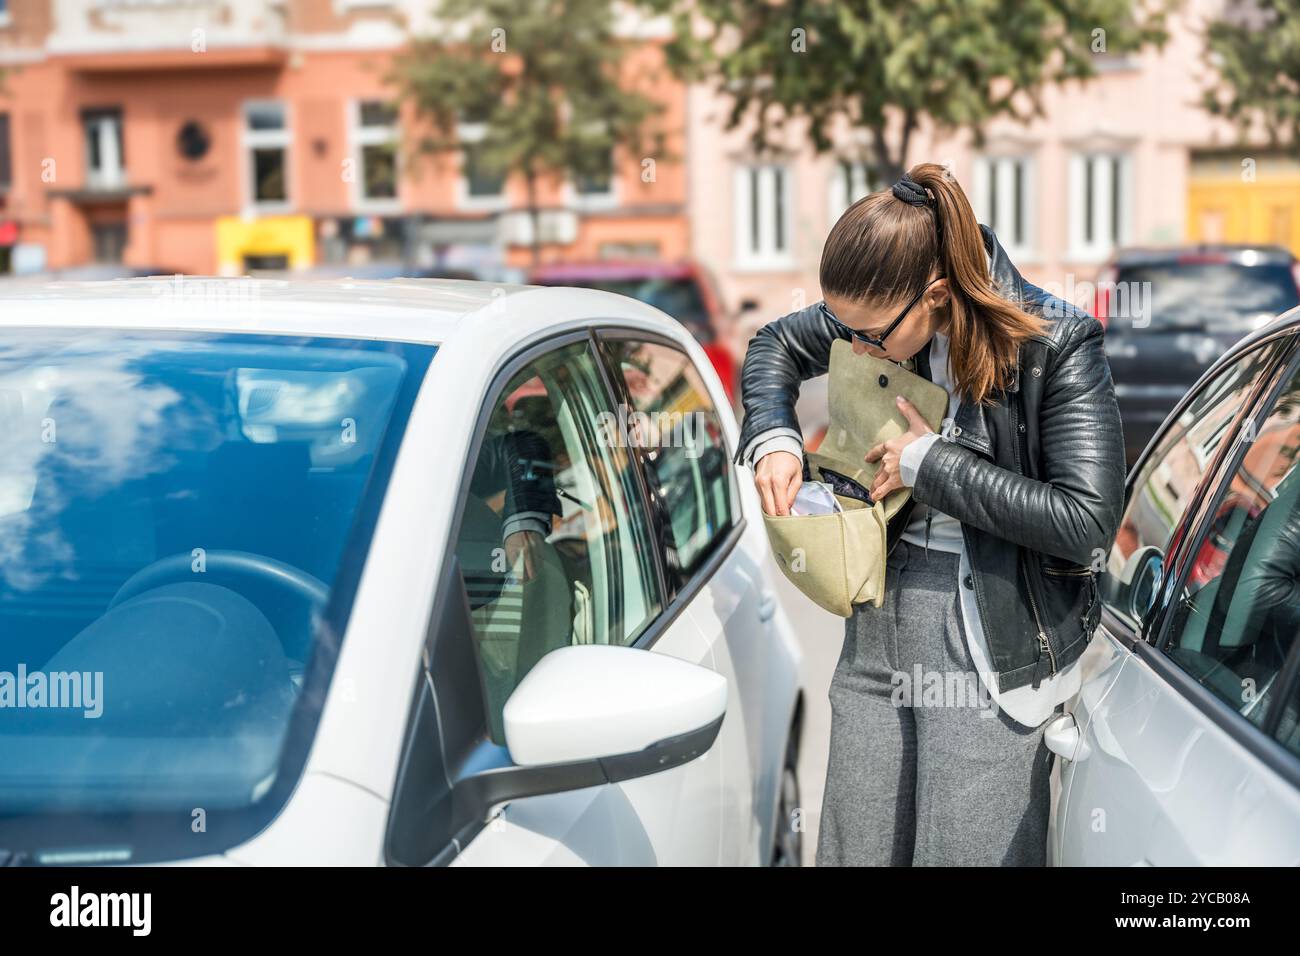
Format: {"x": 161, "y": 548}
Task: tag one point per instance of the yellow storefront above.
{"x": 1251, "y": 200}
{"x": 273, "y": 242}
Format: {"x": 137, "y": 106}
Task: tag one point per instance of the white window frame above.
{"x": 1102, "y": 242}
{"x": 842, "y": 194}
{"x": 587, "y": 202}
{"x": 251, "y": 139}
{"x": 1019, "y": 248}
{"x": 767, "y": 256}
{"x": 473, "y": 133}
{"x": 113, "y": 174}
{"x": 361, "y": 137}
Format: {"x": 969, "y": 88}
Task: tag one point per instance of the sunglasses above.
{"x": 871, "y": 339}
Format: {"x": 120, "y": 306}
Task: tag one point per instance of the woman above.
{"x": 940, "y": 697}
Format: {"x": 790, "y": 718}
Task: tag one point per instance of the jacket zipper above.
{"x": 929, "y": 513}
{"x": 1043, "y": 643}
{"x": 1077, "y": 571}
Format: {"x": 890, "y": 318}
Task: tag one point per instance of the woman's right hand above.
{"x": 778, "y": 476}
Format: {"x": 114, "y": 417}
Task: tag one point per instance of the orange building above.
{"x": 229, "y": 135}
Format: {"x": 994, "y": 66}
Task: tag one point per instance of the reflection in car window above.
{"x": 175, "y": 510}
{"x": 1239, "y": 612}
{"x": 554, "y": 545}
{"x": 1288, "y": 728}
{"x": 1165, "y": 488}
{"x": 682, "y": 434}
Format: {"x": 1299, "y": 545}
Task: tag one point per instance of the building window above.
{"x": 481, "y": 186}
{"x": 596, "y": 190}
{"x": 108, "y": 241}
{"x": 850, "y": 181}
{"x": 374, "y": 136}
{"x": 266, "y": 137}
{"x": 1101, "y": 204}
{"x": 6, "y": 162}
{"x": 761, "y": 205}
{"x": 1003, "y": 200}
{"x": 105, "y": 159}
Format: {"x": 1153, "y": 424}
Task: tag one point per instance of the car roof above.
{"x": 612, "y": 270}
{"x": 412, "y": 310}
{"x": 1239, "y": 253}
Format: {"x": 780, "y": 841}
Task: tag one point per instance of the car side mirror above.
{"x": 1145, "y": 576}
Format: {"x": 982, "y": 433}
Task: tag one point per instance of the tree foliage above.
{"x": 959, "y": 63}
{"x": 544, "y": 79}
{"x": 1253, "y": 50}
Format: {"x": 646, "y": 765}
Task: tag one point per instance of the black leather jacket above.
{"x": 1037, "y": 481}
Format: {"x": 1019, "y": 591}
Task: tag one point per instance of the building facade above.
{"x": 221, "y": 136}
{"x": 1128, "y": 158}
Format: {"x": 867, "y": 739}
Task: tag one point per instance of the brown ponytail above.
{"x": 883, "y": 250}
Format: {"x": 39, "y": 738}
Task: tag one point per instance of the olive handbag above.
{"x": 838, "y": 559}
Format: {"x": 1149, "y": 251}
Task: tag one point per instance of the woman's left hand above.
{"x": 887, "y": 478}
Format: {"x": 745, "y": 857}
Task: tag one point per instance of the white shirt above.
{"x": 1025, "y": 705}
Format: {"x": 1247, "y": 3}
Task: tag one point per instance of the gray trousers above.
{"x": 923, "y": 770}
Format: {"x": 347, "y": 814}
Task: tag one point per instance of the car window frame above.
{"x": 705, "y": 565}
{"x": 1149, "y": 645}
{"x": 463, "y": 739}
{"x": 1120, "y": 626}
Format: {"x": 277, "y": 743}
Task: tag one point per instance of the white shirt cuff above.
{"x": 774, "y": 439}
{"x": 538, "y": 521}
{"x": 910, "y": 460}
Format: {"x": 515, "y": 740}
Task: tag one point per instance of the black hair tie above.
{"x": 910, "y": 191}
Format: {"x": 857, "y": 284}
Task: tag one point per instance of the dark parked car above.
{"x": 682, "y": 290}
{"x": 1169, "y": 313}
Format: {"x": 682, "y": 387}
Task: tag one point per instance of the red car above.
{"x": 683, "y": 290}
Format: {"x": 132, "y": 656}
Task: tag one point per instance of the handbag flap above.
{"x": 861, "y": 392}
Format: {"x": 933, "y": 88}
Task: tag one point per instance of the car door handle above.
{"x": 767, "y": 606}
{"x": 1062, "y": 736}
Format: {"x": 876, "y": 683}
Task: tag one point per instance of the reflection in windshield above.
{"x": 174, "y": 510}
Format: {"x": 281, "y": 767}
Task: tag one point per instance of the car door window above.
{"x": 1166, "y": 488}
{"x": 1237, "y": 616}
{"x": 1288, "y": 725}
{"x": 676, "y": 424}
{"x": 554, "y": 544}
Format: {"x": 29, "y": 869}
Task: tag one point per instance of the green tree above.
{"x": 960, "y": 63}
{"x": 1253, "y": 50}
{"x": 546, "y": 80}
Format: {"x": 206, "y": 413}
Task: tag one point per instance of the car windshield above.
{"x": 178, "y": 516}
{"x": 1208, "y": 295}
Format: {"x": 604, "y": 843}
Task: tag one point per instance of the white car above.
{"x": 404, "y": 572}
{"x": 1182, "y": 746}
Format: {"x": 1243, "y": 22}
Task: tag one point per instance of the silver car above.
{"x": 1182, "y": 746}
